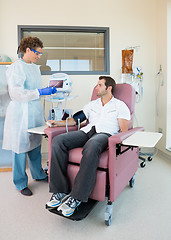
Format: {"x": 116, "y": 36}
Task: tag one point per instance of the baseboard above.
{"x": 5, "y": 169}
{"x": 165, "y": 155}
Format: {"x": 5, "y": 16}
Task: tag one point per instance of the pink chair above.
{"x": 117, "y": 165}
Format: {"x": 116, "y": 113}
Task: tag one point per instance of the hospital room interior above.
{"x": 129, "y": 41}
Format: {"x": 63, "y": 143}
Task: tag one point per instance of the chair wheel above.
{"x": 108, "y": 214}
{"x": 108, "y": 222}
{"x": 132, "y": 181}
{"x": 149, "y": 158}
{"x": 143, "y": 164}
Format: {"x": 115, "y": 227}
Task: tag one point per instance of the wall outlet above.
{"x": 160, "y": 130}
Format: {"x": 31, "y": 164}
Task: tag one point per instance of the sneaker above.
{"x": 26, "y": 191}
{"x": 56, "y": 200}
{"x": 69, "y": 206}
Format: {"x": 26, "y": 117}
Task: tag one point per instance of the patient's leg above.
{"x": 86, "y": 176}
{"x": 61, "y": 144}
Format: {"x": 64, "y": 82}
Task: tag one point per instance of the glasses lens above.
{"x": 36, "y": 52}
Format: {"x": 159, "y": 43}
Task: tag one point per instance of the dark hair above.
{"x": 109, "y": 82}
{"x": 29, "y": 42}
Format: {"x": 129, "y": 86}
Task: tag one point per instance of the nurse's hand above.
{"x": 47, "y": 91}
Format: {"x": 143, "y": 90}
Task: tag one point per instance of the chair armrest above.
{"x": 53, "y": 131}
{"x": 118, "y": 138}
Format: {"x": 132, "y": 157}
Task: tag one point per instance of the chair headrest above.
{"x": 124, "y": 92}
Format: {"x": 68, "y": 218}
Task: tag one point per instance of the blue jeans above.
{"x": 20, "y": 177}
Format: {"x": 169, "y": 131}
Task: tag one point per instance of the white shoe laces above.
{"x": 57, "y": 196}
{"x": 72, "y": 202}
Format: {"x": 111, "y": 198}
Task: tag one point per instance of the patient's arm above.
{"x": 123, "y": 124}
{"x": 62, "y": 123}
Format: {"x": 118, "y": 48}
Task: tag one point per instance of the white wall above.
{"x": 168, "y": 122}
{"x": 131, "y": 23}
{"x": 162, "y": 58}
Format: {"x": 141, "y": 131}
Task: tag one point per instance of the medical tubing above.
{"x": 157, "y": 93}
{"x": 78, "y": 123}
{"x": 160, "y": 83}
{"x": 67, "y": 124}
{"x": 64, "y": 105}
{"x": 44, "y": 109}
{"x": 53, "y": 103}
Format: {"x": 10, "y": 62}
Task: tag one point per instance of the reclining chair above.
{"x": 117, "y": 165}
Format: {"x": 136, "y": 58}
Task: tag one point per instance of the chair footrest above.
{"x": 81, "y": 212}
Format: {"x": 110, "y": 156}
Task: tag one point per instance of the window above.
{"x": 73, "y": 50}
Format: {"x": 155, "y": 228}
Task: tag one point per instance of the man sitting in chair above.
{"x": 106, "y": 116}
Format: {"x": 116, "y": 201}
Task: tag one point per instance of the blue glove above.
{"x": 54, "y": 90}
{"x": 47, "y": 91}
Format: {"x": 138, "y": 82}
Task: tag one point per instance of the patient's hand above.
{"x": 51, "y": 123}
{"x": 61, "y": 123}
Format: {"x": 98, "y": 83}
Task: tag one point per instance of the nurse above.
{"x": 25, "y": 111}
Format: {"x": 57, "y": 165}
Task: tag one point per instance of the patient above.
{"x": 106, "y": 116}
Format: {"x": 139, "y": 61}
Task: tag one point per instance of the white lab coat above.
{"x": 24, "y": 110}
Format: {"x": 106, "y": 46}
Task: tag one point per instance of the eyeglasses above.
{"x": 36, "y": 52}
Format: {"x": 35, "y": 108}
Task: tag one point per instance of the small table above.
{"x": 38, "y": 130}
{"x": 143, "y": 139}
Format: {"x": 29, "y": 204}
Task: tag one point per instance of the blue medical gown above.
{"x": 24, "y": 110}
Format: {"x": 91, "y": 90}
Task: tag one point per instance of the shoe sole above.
{"x": 54, "y": 206}
{"x": 59, "y": 204}
{"x": 67, "y": 215}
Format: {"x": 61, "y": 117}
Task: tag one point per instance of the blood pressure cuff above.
{"x": 79, "y": 115}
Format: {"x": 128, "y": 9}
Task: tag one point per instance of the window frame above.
{"x": 105, "y": 30}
